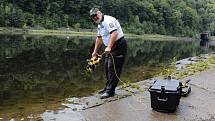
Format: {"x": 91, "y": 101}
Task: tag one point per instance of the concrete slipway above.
{"x": 198, "y": 106}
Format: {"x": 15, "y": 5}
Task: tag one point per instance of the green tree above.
{"x": 212, "y": 27}
{"x": 172, "y": 17}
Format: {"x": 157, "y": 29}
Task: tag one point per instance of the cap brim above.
{"x": 93, "y": 11}
{"x": 92, "y": 14}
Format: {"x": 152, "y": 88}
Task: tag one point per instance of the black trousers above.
{"x": 116, "y": 58}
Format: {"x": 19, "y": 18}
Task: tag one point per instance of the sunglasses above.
{"x": 92, "y": 16}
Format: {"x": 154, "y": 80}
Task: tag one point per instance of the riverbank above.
{"x": 81, "y": 32}
{"x": 197, "y": 106}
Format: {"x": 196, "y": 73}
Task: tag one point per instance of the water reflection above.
{"x": 38, "y": 73}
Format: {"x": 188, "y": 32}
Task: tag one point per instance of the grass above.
{"x": 48, "y": 32}
{"x": 153, "y": 36}
{"x": 200, "y": 65}
{"x": 60, "y": 32}
{"x": 7, "y": 30}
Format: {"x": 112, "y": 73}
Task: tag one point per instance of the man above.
{"x": 111, "y": 35}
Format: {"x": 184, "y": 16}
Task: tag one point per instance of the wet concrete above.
{"x": 199, "y": 105}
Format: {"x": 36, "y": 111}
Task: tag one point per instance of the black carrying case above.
{"x": 165, "y": 95}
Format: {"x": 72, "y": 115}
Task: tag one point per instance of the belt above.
{"x": 121, "y": 38}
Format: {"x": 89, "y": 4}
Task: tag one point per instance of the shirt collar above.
{"x": 102, "y": 18}
{"x": 100, "y": 23}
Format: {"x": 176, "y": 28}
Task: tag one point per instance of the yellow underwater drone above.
{"x": 92, "y": 63}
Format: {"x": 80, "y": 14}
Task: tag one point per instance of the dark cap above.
{"x": 93, "y": 11}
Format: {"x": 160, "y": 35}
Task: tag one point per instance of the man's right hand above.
{"x": 94, "y": 54}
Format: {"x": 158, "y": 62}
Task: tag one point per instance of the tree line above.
{"x": 168, "y": 17}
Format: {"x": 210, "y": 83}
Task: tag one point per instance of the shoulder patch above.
{"x": 111, "y": 25}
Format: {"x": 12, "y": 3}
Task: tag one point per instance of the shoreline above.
{"x": 81, "y": 32}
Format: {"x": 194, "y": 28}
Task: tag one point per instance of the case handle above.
{"x": 160, "y": 99}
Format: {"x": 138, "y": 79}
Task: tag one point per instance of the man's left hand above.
{"x": 107, "y": 50}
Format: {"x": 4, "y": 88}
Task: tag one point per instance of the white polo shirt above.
{"x": 108, "y": 25}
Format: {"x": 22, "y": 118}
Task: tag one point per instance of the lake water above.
{"x": 37, "y": 73}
